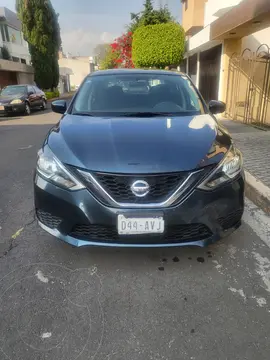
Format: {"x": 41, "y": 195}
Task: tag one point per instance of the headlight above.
{"x": 16, "y": 101}
{"x": 227, "y": 170}
{"x": 49, "y": 167}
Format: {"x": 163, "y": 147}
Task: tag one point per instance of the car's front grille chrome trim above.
{"x": 112, "y": 202}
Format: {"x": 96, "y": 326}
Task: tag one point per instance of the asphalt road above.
{"x": 64, "y": 303}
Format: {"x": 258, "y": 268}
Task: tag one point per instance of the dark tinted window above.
{"x": 7, "y": 34}
{"x": 116, "y": 94}
{"x": 3, "y": 32}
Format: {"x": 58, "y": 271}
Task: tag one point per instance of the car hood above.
{"x": 139, "y": 145}
{"x": 7, "y": 99}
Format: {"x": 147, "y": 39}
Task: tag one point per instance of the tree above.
{"x": 135, "y": 21}
{"x": 148, "y": 13}
{"x": 150, "y": 16}
{"x": 158, "y": 45}
{"x": 41, "y": 30}
{"x": 100, "y": 52}
{"x": 110, "y": 59}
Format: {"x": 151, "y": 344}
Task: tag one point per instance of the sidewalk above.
{"x": 255, "y": 146}
{"x": 67, "y": 95}
{"x": 64, "y": 96}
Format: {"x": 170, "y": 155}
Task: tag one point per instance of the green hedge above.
{"x": 158, "y": 45}
{"x": 52, "y": 94}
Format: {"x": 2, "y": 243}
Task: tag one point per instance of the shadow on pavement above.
{"x": 7, "y": 118}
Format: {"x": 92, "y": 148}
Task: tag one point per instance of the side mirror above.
{"x": 217, "y": 107}
{"x": 30, "y": 93}
{"x": 59, "y": 106}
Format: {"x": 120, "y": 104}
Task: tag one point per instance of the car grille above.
{"x": 173, "y": 234}
{"x": 48, "y": 219}
{"x": 161, "y": 186}
{"x": 231, "y": 220}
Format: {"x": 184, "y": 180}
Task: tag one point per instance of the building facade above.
{"x": 73, "y": 70}
{"x": 228, "y": 54}
{"x": 17, "y": 69}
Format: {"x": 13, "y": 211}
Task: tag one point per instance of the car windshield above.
{"x": 13, "y": 90}
{"x": 137, "y": 94}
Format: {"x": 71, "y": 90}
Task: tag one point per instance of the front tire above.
{"x": 27, "y": 109}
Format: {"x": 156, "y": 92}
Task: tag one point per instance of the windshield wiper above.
{"x": 82, "y": 114}
{"x": 144, "y": 114}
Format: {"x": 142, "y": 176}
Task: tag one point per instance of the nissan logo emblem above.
{"x": 140, "y": 188}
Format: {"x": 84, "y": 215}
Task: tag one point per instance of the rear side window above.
{"x": 31, "y": 89}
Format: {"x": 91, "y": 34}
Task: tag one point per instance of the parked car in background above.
{"x": 21, "y": 99}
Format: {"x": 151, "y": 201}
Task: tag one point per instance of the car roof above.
{"x": 135, "y": 71}
{"x": 21, "y": 85}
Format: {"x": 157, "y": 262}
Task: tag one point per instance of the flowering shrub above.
{"x": 122, "y": 46}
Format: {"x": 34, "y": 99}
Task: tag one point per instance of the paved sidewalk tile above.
{"x": 255, "y": 146}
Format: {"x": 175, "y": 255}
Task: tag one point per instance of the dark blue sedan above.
{"x": 139, "y": 160}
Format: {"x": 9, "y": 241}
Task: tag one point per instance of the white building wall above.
{"x": 76, "y": 68}
{"x": 15, "y": 43}
{"x": 19, "y": 51}
{"x": 218, "y": 7}
{"x": 213, "y": 10}
{"x": 200, "y": 38}
{"x": 256, "y": 39}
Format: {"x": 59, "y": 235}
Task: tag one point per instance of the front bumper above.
{"x": 12, "y": 109}
{"x": 77, "y": 218}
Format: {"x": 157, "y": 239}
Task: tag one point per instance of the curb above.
{"x": 257, "y": 192}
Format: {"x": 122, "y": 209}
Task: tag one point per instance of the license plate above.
{"x": 2, "y": 107}
{"x": 136, "y": 226}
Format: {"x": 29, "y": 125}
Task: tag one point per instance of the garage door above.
{"x": 7, "y": 78}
